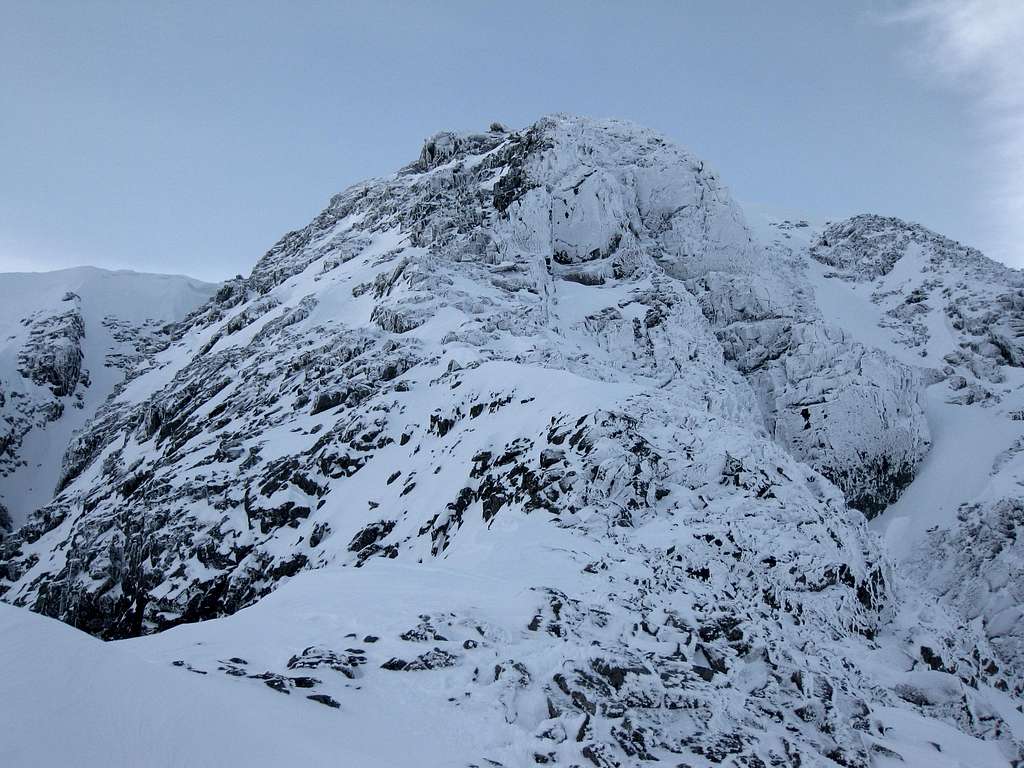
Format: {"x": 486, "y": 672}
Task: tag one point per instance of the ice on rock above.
{"x": 853, "y": 413}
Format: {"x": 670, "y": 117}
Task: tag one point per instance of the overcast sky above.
{"x": 188, "y": 137}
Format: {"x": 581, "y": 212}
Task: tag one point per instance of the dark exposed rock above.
{"x": 323, "y": 698}
{"x": 371, "y": 534}
{"x": 314, "y": 657}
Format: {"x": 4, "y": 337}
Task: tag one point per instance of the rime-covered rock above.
{"x": 977, "y": 566}
{"x": 853, "y": 413}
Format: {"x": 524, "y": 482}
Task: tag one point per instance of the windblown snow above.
{"x": 538, "y": 452}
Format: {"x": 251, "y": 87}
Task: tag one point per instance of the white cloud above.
{"x": 978, "y": 47}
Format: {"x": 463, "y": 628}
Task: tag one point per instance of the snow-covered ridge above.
{"x": 948, "y": 304}
{"x": 66, "y": 339}
{"x": 537, "y": 429}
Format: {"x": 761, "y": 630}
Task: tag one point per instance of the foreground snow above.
{"x": 69, "y": 699}
{"x": 128, "y": 704}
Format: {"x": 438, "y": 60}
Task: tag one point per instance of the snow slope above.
{"x": 104, "y": 321}
{"x": 69, "y": 699}
{"x": 133, "y": 703}
{"x": 958, "y": 470}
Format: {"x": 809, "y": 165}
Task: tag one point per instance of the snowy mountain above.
{"x": 539, "y": 449}
{"x": 959, "y": 527}
{"x": 66, "y": 340}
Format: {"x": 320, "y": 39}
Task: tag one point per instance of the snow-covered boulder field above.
{"x": 538, "y": 452}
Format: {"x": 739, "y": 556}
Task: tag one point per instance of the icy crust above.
{"x": 488, "y": 369}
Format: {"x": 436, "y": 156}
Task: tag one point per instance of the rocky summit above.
{"x": 538, "y": 451}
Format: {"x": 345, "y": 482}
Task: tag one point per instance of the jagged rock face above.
{"x": 49, "y": 359}
{"x": 52, "y": 355}
{"x": 853, "y": 414}
{"x": 977, "y": 566}
{"x": 508, "y": 343}
{"x": 324, "y": 330}
{"x": 864, "y": 247}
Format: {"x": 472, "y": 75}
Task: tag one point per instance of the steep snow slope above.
{"x": 536, "y": 429}
{"x": 66, "y": 339}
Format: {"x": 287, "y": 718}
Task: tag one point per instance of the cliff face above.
{"x": 45, "y": 375}
{"x": 555, "y": 365}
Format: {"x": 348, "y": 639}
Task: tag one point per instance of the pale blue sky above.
{"x": 187, "y": 137}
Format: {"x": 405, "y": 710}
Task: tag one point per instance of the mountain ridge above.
{"x": 66, "y": 339}
{"x": 564, "y": 343}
